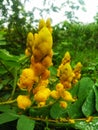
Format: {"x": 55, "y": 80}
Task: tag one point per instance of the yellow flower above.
{"x": 55, "y": 94}
{"x": 47, "y": 61}
{"x": 63, "y": 104}
{"x": 67, "y": 96}
{"x": 43, "y": 82}
{"x": 66, "y": 72}
{"x": 67, "y": 84}
{"x": 59, "y": 87}
{"x": 23, "y": 102}
{"x": 45, "y": 75}
{"x": 42, "y": 95}
{"x": 38, "y": 88}
{"x": 77, "y": 72}
{"x": 27, "y": 79}
{"x": 38, "y": 68}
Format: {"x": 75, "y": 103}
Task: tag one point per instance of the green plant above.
{"x": 76, "y": 115}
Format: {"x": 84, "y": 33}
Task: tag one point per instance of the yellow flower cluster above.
{"x": 60, "y": 92}
{"x": 66, "y": 74}
{"x": 39, "y": 49}
{"x": 77, "y": 72}
{"x": 35, "y": 78}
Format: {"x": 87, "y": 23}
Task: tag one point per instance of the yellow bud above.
{"x": 30, "y": 39}
{"x": 27, "y": 52}
{"x": 66, "y": 58}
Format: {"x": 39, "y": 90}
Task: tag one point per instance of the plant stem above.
{"x": 8, "y": 102}
{"x": 15, "y": 82}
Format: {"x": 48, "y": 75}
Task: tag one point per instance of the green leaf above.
{"x": 96, "y": 97}
{"x": 85, "y": 85}
{"x": 4, "y": 108}
{"x": 74, "y": 90}
{"x": 88, "y": 107}
{"x": 2, "y": 70}
{"x": 83, "y": 125}
{"x": 4, "y": 54}
{"x": 8, "y": 116}
{"x": 25, "y": 123}
{"x": 75, "y": 109}
{"x": 56, "y": 111}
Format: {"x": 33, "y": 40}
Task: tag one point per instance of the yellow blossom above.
{"x": 67, "y": 96}
{"x": 27, "y": 79}
{"x": 59, "y": 87}
{"x": 23, "y": 102}
{"x": 55, "y": 94}
{"x": 42, "y": 95}
{"x": 47, "y": 61}
{"x": 66, "y": 72}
